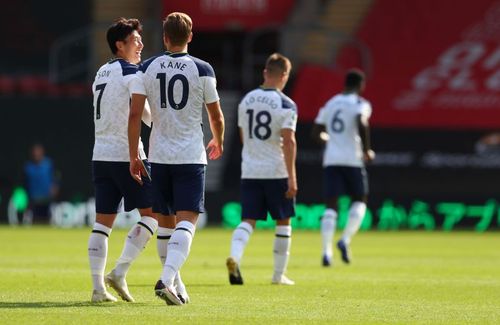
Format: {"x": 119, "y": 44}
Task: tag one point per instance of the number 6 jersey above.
{"x": 178, "y": 86}
{"x": 262, "y": 114}
{"x": 340, "y": 118}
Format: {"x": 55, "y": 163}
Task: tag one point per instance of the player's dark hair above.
{"x": 277, "y": 64}
{"x": 177, "y": 27}
{"x": 354, "y": 79}
{"x": 120, "y": 29}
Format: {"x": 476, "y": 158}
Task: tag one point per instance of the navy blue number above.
{"x": 99, "y": 88}
{"x": 163, "y": 100}
{"x": 185, "y": 86}
{"x": 164, "y": 93}
{"x": 338, "y": 124}
{"x": 262, "y": 121}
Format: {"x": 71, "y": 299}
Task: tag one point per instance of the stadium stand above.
{"x": 421, "y": 68}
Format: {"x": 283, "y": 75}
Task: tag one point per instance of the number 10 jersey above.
{"x": 178, "y": 86}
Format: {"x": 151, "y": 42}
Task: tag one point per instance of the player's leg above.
{"x": 137, "y": 239}
{"x": 188, "y": 184}
{"x": 140, "y": 197}
{"x": 332, "y": 187}
{"x": 178, "y": 283}
{"x": 358, "y": 184}
{"x": 108, "y": 198}
{"x": 161, "y": 175}
{"x": 281, "y": 252}
{"x": 180, "y": 287}
{"x": 356, "y": 216}
{"x": 281, "y": 209}
{"x": 98, "y": 253}
{"x": 165, "y": 230}
{"x": 252, "y": 208}
{"x": 328, "y": 224}
{"x": 240, "y": 238}
{"x": 135, "y": 242}
{"x": 179, "y": 247}
{"x": 239, "y": 241}
{"x": 163, "y": 207}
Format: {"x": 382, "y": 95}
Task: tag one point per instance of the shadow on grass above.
{"x": 189, "y": 285}
{"x": 53, "y": 304}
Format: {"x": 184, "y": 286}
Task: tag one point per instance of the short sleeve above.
{"x": 135, "y": 84}
{"x": 366, "y": 110}
{"x": 210, "y": 89}
{"x": 240, "y": 114}
{"x": 146, "y": 114}
{"x": 290, "y": 120}
{"x": 321, "y": 118}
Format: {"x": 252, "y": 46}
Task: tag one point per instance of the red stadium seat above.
{"x": 313, "y": 87}
{"x": 33, "y": 85}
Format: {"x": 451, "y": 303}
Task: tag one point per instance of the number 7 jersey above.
{"x": 114, "y": 83}
{"x": 178, "y": 86}
{"x": 340, "y": 118}
{"x": 262, "y": 114}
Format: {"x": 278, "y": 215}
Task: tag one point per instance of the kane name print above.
{"x": 174, "y": 65}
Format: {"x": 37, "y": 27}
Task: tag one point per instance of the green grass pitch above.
{"x": 395, "y": 277}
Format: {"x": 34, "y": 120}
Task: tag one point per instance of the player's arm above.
{"x": 216, "y": 118}
{"x": 319, "y": 134}
{"x": 134, "y": 133}
{"x": 241, "y": 122}
{"x": 146, "y": 114}
{"x": 364, "y": 134}
{"x": 290, "y": 153}
{"x": 241, "y": 134}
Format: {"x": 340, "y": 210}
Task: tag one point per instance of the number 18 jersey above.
{"x": 262, "y": 114}
{"x": 178, "y": 86}
{"x": 340, "y": 118}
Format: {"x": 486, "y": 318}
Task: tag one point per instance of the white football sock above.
{"x": 328, "y": 223}
{"x": 239, "y": 241}
{"x": 162, "y": 238}
{"x": 178, "y": 251}
{"x": 98, "y": 251}
{"x": 136, "y": 241}
{"x": 282, "y": 243}
{"x": 356, "y": 215}
{"x": 178, "y": 283}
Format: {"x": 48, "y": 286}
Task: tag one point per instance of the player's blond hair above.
{"x": 177, "y": 27}
{"x": 278, "y": 64}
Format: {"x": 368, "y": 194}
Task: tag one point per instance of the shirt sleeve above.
{"x": 210, "y": 89}
{"x": 290, "y": 120}
{"x": 135, "y": 84}
{"x": 146, "y": 114}
{"x": 365, "y": 110}
{"x": 240, "y": 114}
{"x": 321, "y": 118}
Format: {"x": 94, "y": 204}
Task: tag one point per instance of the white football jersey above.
{"x": 114, "y": 84}
{"x": 178, "y": 86}
{"x": 262, "y": 114}
{"x": 340, "y": 118}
